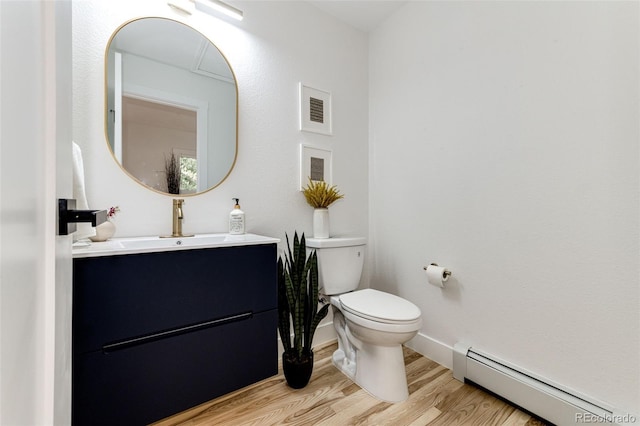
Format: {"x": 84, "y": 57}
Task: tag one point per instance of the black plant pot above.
{"x": 297, "y": 371}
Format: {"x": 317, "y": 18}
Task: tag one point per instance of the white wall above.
{"x": 504, "y": 145}
{"x": 277, "y": 45}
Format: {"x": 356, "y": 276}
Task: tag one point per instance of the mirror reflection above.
{"x": 171, "y": 109}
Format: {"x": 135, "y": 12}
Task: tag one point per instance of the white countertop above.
{"x": 132, "y": 245}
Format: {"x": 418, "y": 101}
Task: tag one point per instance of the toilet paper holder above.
{"x": 446, "y": 273}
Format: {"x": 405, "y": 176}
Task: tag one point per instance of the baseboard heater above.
{"x": 534, "y": 394}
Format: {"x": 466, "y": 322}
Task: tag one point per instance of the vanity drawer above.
{"x": 148, "y": 382}
{"x": 117, "y": 298}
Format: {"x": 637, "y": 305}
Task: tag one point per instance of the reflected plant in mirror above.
{"x": 170, "y": 93}
{"x": 172, "y": 172}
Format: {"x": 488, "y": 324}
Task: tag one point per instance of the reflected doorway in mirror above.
{"x": 152, "y": 135}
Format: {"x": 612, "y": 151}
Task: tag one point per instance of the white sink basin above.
{"x": 157, "y": 242}
{"x": 119, "y": 246}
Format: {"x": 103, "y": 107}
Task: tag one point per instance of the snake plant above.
{"x": 298, "y": 298}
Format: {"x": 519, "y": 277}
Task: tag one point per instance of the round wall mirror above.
{"x": 171, "y": 106}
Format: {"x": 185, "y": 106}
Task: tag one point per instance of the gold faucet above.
{"x": 177, "y": 220}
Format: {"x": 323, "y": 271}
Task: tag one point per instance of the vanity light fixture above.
{"x": 184, "y": 6}
{"x": 208, "y": 6}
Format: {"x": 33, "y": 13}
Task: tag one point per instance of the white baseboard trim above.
{"x": 432, "y": 349}
{"x": 325, "y": 333}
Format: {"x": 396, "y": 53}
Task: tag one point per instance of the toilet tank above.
{"x": 340, "y": 262}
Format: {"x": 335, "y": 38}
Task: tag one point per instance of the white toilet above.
{"x": 371, "y": 325}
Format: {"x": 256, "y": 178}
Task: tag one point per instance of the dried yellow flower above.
{"x": 320, "y": 195}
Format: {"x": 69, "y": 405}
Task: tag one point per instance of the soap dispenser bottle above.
{"x": 236, "y": 219}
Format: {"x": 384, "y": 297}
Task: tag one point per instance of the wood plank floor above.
{"x": 331, "y": 399}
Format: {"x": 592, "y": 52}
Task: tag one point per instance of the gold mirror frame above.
{"x": 109, "y": 109}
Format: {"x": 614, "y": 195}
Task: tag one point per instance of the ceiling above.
{"x": 364, "y": 15}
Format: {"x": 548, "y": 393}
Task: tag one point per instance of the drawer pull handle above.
{"x": 136, "y": 341}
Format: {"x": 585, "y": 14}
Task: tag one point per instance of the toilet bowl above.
{"x": 371, "y": 325}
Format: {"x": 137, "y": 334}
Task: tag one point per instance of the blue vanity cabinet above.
{"x": 157, "y": 333}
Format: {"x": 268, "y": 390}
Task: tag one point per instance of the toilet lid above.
{"x": 379, "y": 306}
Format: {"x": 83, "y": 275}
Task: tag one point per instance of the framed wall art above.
{"x": 315, "y": 164}
{"x": 315, "y": 110}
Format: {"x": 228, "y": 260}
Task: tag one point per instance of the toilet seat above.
{"x": 380, "y": 307}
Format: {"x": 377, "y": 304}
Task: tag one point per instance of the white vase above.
{"x": 321, "y": 223}
{"x": 104, "y": 231}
